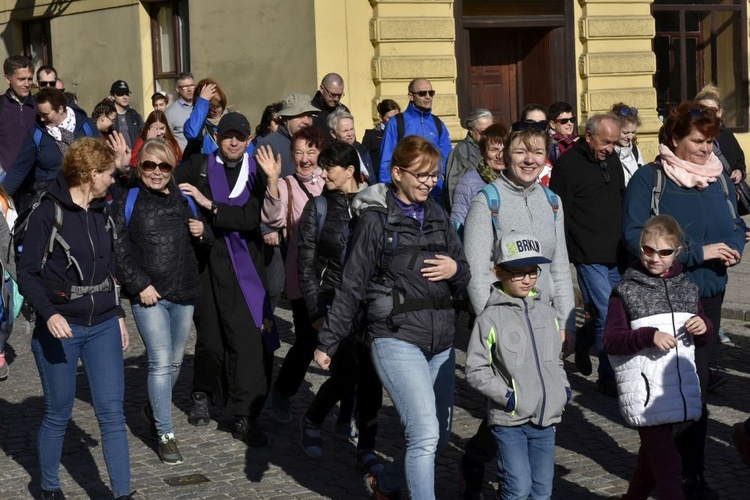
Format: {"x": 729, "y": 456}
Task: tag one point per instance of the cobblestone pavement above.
{"x": 595, "y": 451}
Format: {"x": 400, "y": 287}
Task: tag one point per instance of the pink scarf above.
{"x": 687, "y": 174}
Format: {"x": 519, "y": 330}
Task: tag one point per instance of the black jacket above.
{"x": 431, "y": 329}
{"x": 731, "y": 150}
{"x": 90, "y": 236}
{"x": 321, "y": 119}
{"x": 593, "y": 206}
{"x": 319, "y": 260}
{"x": 135, "y": 125}
{"x": 156, "y": 247}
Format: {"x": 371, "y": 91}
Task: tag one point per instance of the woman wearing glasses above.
{"x": 158, "y": 229}
{"x": 406, "y": 261}
{"x": 696, "y": 193}
{"x": 526, "y": 206}
{"x": 626, "y": 150}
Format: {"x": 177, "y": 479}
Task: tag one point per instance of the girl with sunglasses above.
{"x": 627, "y": 151}
{"x": 654, "y": 322}
{"x": 157, "y": 267}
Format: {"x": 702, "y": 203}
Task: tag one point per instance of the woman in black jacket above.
{"x": 323, "y": 221}
{"x": 156, "y": 264}
{"x": 406, "y": 261}
{"x": 74, "y": 294}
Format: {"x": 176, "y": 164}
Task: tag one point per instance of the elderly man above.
{"x": 233, "y": 319}
{"x": 590, "y": 182}
{"x": 328, "y": 100}
{"x": 417, "y": 119}
{"x": 466, "y": 155}
{"x": 341, "y": 124}
{"x": 179, "y": 111}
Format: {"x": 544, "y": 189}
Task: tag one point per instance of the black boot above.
{"x": 247, "y": 429}
{"x": 199, "y": 412}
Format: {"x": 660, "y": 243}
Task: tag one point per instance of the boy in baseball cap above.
{"x": 513, "y": 359}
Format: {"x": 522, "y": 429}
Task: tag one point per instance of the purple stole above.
{"x": 252, "y": 288}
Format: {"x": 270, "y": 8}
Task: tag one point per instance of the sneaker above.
{"x": 368, "y": 461}
{"x": 168, "y": 451}
{"x": 148, "y": 414}
{"x": 716, "y": 380}
{"x": 371, "y": 485}
{"x": 607, "y": 386}
{"x": 199, "y": 412}
{"x": 4, "y": 370}
{"x": 695, "y": 487}
{"x": 52, "y": 495}
{"x": 311, "y": 438}
{"x": 280, "y": 408}
{"x": 723, "y": 338}
{"x": 470, "y": 479}
{"x": 741, "y": 441}
{"x": 246, "y": 429}
{"x": 347, "y": 429}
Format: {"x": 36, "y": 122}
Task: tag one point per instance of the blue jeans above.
{"x": 99, "y": 348}
{"x": 527, "y": 458}
{"x": 164, "y": 328}
{"x": 421, "y": 388}
{"x": 596, "y": 282}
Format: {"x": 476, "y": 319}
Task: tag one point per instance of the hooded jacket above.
{"x": 90, "y": 234}
{"x": 514, "y": 350}
{"x": 430, "y": 328}
{"x": 654, "y": 387}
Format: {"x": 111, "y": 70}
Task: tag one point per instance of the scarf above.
{"x": 687, "y": 174}
{"x": 256, "y": 296}
{"x": 564, "y": 142}
{"x": 63, "y": 133}
{"x": 486, "y": 172}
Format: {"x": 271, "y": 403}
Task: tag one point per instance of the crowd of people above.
{"x": 377, "y": 245}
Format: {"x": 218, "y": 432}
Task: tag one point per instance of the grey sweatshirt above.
{"x": 527, "y": 211}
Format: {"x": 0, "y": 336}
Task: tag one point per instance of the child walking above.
{"x": 513, "y": 359}
{"x": 653, "y": 322}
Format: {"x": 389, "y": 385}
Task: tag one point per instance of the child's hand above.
{"x": 696, "y": 325}
{"x": 664, "y": 341}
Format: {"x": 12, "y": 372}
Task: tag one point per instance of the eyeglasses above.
{"x": 333, "y": 96}
{"x": 605, "y": 172}
{"x": 564, "y": 121}
{"x": 521, "y": 275}
{"x": 662, "y": 252}
{"x": 184, "y": 87}
{"x": 423, "y": 177}
{"x": 526, "y": 125}
{"x": 150, "y": 166}
{"x": 47, "y": 84}
{"x": 628, "y": 111}
{"x": 423, "y": 93}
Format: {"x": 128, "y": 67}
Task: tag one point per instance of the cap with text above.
{"x": 519, "y": 250}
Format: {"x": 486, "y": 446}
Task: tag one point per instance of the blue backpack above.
{"x": 133, "y": 195}
{"x": 492, "y": 194}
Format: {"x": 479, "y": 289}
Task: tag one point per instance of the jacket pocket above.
{"x": 648, "y": 390}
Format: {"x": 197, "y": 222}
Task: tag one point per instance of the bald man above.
{"x": 328, "y": 100}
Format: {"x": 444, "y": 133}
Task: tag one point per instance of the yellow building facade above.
{"x": 499, "y": 54}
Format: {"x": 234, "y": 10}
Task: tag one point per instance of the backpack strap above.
{"x": 87, "y": 129}
{"x": 191, "y": 204}
{"x": 37, "y": 138}
{"x": 725, "y": 187}
{"x": 552, "y": 199}
{"x": 400, "y": 126}
{"x": 439, "y": 126}
{"x": 130, "y": 204}
{"x": 636, "y": 155}
{"x": 492, "y": 195}
{"x": 56, "y": 237}
{"x": 722, "y": 158}
{"x": 658, "y": 188}
{"x": 321, "y": 209}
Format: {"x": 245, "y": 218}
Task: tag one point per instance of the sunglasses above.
{"x": 47, "y": 84}
{"x": 662, "y": 252}
{"x": 423, "y": 177}
{"x": 150, "y": 166}
{"x": 701, "y": 112}
{"x": 333, "y": 96}
{"x": 521, "y": 275}
{"x": 526, "y": 125}
{"x": 605, "y": 172}
{"x": 424, "y": 93}
{"x": 565, "y": 121}
{"x": 628, "y": 111}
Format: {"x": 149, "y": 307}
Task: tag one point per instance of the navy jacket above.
{"x": 15, "y": 120}
{"x": 45, "y": 162}
{"x": 90, "y": 234}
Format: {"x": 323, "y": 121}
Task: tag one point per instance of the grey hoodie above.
{"x": 527, "y": 211}
{"x": 514, "y": 348}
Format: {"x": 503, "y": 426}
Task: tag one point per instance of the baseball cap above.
{"x": 519, "y": 250}
{"x": 233, "y": 122}
{"x": 297, "y": 104}
{"x": 119, "y": 87}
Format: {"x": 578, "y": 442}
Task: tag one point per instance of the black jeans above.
{"x": 298, "y": 358}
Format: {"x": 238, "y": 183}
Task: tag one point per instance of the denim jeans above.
{"x": 596, "y": 282}
{"x": 527, "y": 458}
{"x": 99, "y": 348}
{"x": 421, "y": 388}
{"x": 164, "y": 328}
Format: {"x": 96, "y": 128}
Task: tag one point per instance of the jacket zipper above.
{"x": 538, "y": 366}
{"x": 677, "y": 349}
{"x": 93, "y": 272}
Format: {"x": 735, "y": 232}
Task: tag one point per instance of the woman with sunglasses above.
{"x": 527, "y": 207}
{"x": 406, "y": 260}
{"x": 696, "y": 193}
{"x": 626, "y": 150}
{"x": 158, "y": 232}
